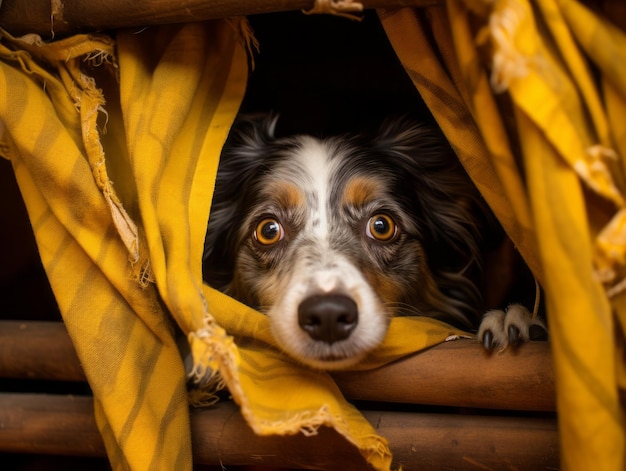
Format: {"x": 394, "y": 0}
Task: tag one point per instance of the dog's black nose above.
{"x": 328, "y": 317}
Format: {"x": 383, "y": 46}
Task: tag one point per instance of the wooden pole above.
{"x": 38, "y": 350}
{"x": 66, "y": 17}
{"x": 468, "y": 442}
{"x": 457, "y": 373}
{"x": 461, "y": 373}
{"x": 49, "y": 424}
{"x": 65, "y": 425}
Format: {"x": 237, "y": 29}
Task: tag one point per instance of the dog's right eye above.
{"x": 268, "y": 232}
{"x": 382, "y": 228}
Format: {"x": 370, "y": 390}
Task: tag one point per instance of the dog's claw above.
{"x": 488, "y": 340}
{"x": 514, "y": 335}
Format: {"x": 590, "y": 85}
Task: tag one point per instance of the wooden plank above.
{"x": 468, "y": 442}
{"x": 64, "y": 17}
{"x": 38, "y": 350}
{"x": 457, "y": 373}
{"x": 65, "y": 425}
{"x": 49, "y": 424}
{"x": 462, "y": 373}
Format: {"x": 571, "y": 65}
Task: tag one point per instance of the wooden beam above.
{"x": 65, "y": 425}
{"x": 38, "y": 350}
{"x": 461, "y": 373}
{"x": 457, "y": 373}
{"x": 64, "y": 17}
{"x": 49, "y": 424}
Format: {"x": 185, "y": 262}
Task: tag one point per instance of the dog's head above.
{"x": 332, "y": 237}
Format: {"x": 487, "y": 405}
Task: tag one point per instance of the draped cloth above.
{"x": 531, "y": 94}
{"x": 115, "y": 144}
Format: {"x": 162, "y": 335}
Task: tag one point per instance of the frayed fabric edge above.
{"x": 453, "y": 337}
{"x": 91, "y": 103}
{"x": 610, "y": 255}
{"x": 508, "y": 63}
{"x": 374, "y": 448}
{"x": 245, "y": 33}
{"x": 215, "y": 367}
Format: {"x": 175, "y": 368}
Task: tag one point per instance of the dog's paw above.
{"x": 499, "y": 329}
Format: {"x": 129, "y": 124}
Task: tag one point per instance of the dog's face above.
{"x": 331, "y": 238}
{"x": 326, "y": 251}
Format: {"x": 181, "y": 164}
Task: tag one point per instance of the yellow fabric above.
{"x": 547, "y": 76}
{"x": 532, "y": 97}
{"x": 115, "y": 147}
{"x": 310, "y": 398}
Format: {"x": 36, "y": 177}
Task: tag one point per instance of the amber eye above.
{"x": 268, "y": 232}
{"x": 381, "y": 227}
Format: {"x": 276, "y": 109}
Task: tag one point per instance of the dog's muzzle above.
{"x": 328, "y": 318}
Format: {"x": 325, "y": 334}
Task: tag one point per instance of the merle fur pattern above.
{"x": 436, "y": 261}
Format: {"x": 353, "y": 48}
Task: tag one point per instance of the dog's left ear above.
{"x": 242, "y": 156}
{"x": 451, "y": 206}
{"x": 453, "y": 218}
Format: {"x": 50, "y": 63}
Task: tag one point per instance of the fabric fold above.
{"x": 115, "y": 143}
{"x": 541, "y": 139}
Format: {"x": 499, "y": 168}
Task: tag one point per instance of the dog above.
{"x": 332, "y": 237}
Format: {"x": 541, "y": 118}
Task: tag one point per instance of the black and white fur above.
{"x": 331, "y": 238}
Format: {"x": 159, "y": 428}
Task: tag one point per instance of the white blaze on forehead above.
{"x": 313, "y": 158}
{"x": 314, "y": 268}
{"x": 311, "y": 167}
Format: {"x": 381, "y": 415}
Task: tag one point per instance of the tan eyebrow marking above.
{"x": 360, "y": 191}
{"x": 288, "y": 195}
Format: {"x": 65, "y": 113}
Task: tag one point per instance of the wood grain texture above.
{"x": 65, "y": 425}
{"x": 457, "y": 373}
{"x": 64, "y": 17}
{"x": 38, "y": 350}
{"x": 461, "y": 373}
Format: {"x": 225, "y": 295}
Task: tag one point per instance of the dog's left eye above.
{"x": 268, "y": 232}
{"x": 381, "y": 227}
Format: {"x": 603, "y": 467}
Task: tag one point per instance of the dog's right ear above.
{"x": 250, "y": 133}
{"x": 241, "y": 159}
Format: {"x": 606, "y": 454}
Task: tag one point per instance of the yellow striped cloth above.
{"x": 115, "y": 147}
{"x": 548, "y": 78}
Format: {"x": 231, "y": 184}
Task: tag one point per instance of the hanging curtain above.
{"x": 115, "y": 145}
{"x": 532, "y": 96}
{"x": 105, "y": 140}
